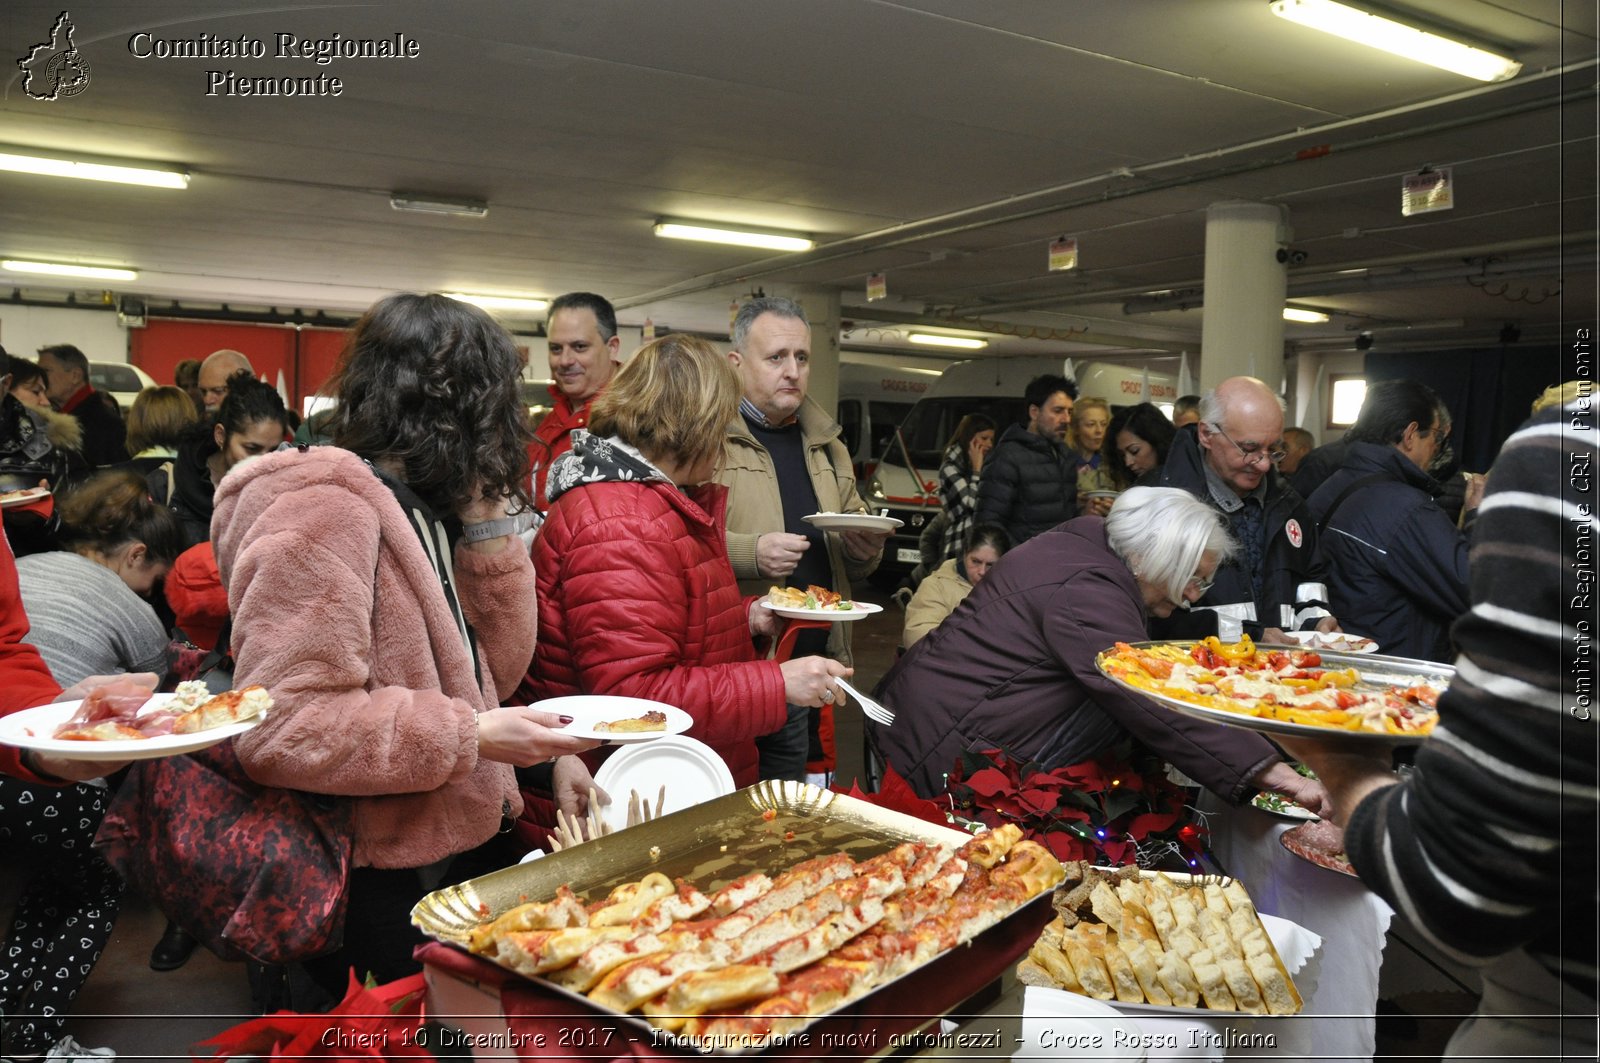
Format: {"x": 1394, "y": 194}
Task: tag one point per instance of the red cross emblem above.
{"x": 1292, "y": 530}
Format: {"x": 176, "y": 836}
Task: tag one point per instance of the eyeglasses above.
{"x": 1256, "y": 453}
{"x": 1200, "y": 584}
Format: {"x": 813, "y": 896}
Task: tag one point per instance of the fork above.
{"x": 870, "y": 708}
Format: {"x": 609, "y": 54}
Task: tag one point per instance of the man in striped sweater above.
{"x": 1489, "y": 847}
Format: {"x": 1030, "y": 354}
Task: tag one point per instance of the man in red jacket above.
{"x": 585, "y": 351}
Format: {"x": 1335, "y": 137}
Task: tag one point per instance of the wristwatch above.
{"x": 489, "y": 529}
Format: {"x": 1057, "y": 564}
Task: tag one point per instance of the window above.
{"x": 1345, "y": 396}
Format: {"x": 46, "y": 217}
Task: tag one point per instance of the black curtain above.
{"x": 1487, "y": 390}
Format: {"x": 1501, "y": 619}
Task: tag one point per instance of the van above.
{"x": 906, "y": 482}
{"x": 873, "y": 400}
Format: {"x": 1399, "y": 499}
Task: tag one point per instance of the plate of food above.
{"x": 120, "y": 722}
{"x": 853, "y": 522}
{"x": 672, "y": 773}
{"x": 610, "y": 718}
{"x": 816, "y": 603}
{"x": 1337, "y": 641}
{"x": 23, "y": 497}
{"x": 1163, "y": 943}
{"x": 1278, "y": 805}
{"x": 1307, "y": 693}
{"x": 1320, "y": 843}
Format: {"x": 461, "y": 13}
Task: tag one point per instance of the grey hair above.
{"x": 766, "y": 304}
{"x": 1161, "y": 533}
{"x": 1213, "y": 412}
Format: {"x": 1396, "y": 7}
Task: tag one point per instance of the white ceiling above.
{"x": 941, "y": 141}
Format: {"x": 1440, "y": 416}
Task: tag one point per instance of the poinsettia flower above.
{"x": 989, "y": 782}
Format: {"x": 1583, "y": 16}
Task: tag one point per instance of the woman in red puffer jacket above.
{"x": 636, "y": 594}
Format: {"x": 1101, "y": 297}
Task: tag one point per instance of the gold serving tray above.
{"x": 710, "y": 845}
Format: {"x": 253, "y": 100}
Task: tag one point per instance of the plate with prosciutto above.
{"x": 120, "y": 722}
{"x": 1338, "y": 641}
{"x": 9, "y": 499}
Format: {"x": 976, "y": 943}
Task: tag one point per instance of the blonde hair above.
{"x": 1562, "y": 394}
{"x": 159, "y": 415}
{"x": 1090, "y": 404}
{"x": 673, "y": 399}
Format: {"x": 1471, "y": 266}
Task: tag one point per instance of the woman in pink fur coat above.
{"x": 378, "y": 592}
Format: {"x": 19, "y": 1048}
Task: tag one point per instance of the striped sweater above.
{"x": 86, "y": 621}
{"x": 1490, "y": 845}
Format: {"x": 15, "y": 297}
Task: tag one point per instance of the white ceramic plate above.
{"x": 853, "y": 522}
{"x": 1336, "y": 642}
{"x": 690, "y": 770}
{"x": 23, "y": 498}
{"x": 32, "y": 728}
{"x": 861, "y": 609}
{"x": 587, "y": 710}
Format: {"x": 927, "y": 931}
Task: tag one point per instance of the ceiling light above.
{"x": 58, "y": 269}
{"x": 1397, "y": 38}
{"x": 502, "y": 302}
{"x": 1305, "y": 317}
{"x": 152, "y": 176}
{"x": 716, "y": 234}
{"x": 420, "y": 204}
{"x": 934, "y": 339}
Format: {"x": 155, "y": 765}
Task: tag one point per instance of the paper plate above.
{"x": 23, "y": 497}
{"x": 1274, "y": 805}
{"x": 690, "y": 770}
{"x": 1336, "y": 642}
{"x": 862, "y": 609}
{"x": 853, "y": 522}
{"x": 587, "y": 710}
{"x": 32, "y": 728}
{"x": 1057, "y": 1024}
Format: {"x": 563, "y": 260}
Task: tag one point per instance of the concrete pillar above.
{"x": 1242, "y": 333}
{"x": 822, "y": 310}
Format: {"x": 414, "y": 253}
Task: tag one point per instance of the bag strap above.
{"x": 1339, "y": 500}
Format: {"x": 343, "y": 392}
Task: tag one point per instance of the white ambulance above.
{"x": 873, "y": 400}
{"x": 906, "y": 484}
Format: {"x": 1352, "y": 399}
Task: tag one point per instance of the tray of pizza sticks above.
{"x": 733, "y": 926}
{"x": 1168, "y": 943}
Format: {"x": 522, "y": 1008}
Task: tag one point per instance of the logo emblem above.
{"x": 55, "y": 68}
{"x": 1292, "y": 530}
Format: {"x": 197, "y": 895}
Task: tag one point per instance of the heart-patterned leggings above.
{"x": 65, "y": 914}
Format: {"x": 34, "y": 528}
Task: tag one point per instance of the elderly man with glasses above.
{"x": 1275, "y": 581}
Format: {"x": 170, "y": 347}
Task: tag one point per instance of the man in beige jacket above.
{"x": 784, "y": 460}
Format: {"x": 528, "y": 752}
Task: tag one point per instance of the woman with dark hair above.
{"x": 949, "y": 584}
{"x": 86, "y": 600}
{"x": 1136, "y": 445}
{"x": 251, "y": 421}
{"x": 636, "y": 593}
{"x": 959, "y": 475}
{"x": 37, "y": 446}
{"x": 378, "y": 592}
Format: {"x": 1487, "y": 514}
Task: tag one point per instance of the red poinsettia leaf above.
{"x": 1039, "y": 800}
{"x": 990, "y": 781}
{"x": 896, "y": 794}
{"x": 1077, "y": 815}
{"x": 1007, "y": 805}
{"x": 1065, "y": 847}
{"x": 1142, "y": 826}
{"x": 1116, "y": 853}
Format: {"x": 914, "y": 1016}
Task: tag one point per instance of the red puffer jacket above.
{"x": 637, "y": 597}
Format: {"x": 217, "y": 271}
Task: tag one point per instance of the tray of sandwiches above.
{"x": 732, "y": 925}
{"x": 1159, "y": 942}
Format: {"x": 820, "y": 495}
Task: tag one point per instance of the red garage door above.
{"x": 304, "y": 357}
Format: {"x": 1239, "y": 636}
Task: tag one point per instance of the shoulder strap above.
{"x": 1339, "y": 500}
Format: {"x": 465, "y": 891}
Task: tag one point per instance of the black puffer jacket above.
{"x": 192, "y": 489}
{"x": 1289, "y": 558}
{"x": 1397, "y": 566}
{"x": 1029, "y": 485}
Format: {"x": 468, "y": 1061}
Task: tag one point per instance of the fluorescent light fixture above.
{"x": 423, "y": 204}
{"x": 1305, "y": 317}
{"x": 502, "y": 302}
{"x": 716, "y": 234}
{"x": 59, "y": 269}
{"x": 151, "y": 176}
{"x": 934, "y": 339}
{"x": 1396, "y": 38}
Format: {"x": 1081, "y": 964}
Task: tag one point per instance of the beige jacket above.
{"x": 756, "y": 508}
{"x": 936, "y": 598}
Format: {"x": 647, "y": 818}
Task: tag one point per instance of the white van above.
{"x": 873, "y": 400}
{"x": 906, "y": 483}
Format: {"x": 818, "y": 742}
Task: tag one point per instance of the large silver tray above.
{"x": 1378, "y": 672}
{"x": 710, "y": 845}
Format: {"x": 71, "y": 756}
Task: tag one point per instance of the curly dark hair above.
{"x": 431, "y": 383}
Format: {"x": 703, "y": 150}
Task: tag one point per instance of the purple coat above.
{"x": 1013, "y": 668}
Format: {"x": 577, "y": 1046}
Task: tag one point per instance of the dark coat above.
{"x": 1289, "y": 559}
{"x": 1029, "y": 484}
{"x": 190, "y": 498}
{"x": 105, "y": 437}
{"x": 1013, "y": 668}
{"x": 1397, "y": 566}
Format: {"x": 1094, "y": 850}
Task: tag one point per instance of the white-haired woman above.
{"x": 1014, "y": 669}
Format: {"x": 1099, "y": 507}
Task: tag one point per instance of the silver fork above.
{"x": 871, "y": 708}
